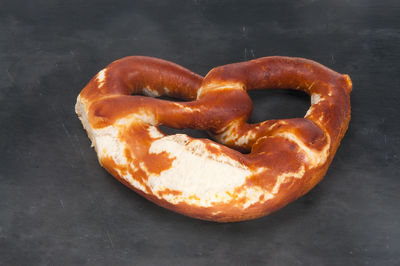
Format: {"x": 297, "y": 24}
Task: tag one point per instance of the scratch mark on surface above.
{"x": 66, "y": 132}
{"x": 385, "y": 139}
{"x": 62, "y": 203}
{"x": 109, "y": 239}
{"x": 252, "y": 53}
{"x": 52, "y": 108}
{"x": 249, "y": 54}
{"x": 333, "y": 59}
{"x": 72, "y": 142}
{"x": 79, "y": 146}
{"x": 12, "y": 79}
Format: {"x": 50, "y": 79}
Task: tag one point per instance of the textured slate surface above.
{"x": 59, "y": 207}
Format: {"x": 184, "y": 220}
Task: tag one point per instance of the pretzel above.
{"x": 258, "y": 168}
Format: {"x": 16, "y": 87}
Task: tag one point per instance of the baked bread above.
{"x": 199, "y": 177}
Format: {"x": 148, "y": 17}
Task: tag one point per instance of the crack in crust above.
{"x": 198, "y": 177}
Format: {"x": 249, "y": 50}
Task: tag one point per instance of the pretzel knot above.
{"x": 199, "y": 177}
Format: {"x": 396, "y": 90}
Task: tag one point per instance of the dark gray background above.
{"x": 59, "y": 207}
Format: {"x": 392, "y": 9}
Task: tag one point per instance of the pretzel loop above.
{"x": 199, "y": 177}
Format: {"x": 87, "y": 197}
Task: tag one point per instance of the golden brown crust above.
{"x": 219, "y": 104}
